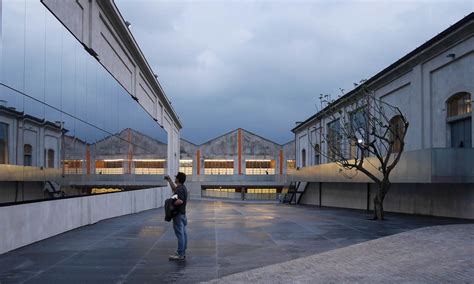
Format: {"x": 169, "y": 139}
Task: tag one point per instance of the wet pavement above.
{"x": 224, "y": 238}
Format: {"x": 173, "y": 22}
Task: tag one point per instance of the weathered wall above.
{"x": 447, "y": 200}
{"x": 24, "y": 224}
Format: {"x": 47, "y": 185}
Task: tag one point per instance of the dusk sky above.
{"x": 261, "y": 65}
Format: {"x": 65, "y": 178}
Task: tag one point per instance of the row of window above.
{"x": 459, "y": 120}
{"x": 49, "y": 154}
{"x": 217, "y": 167}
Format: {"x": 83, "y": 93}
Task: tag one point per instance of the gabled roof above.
{"x": 233, "y": 131}
{"x": 402, "y": 62}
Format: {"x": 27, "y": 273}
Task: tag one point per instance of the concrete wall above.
{"x": 24, "y": 224}
{"x": 447, "y": 200}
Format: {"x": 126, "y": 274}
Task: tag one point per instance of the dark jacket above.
{"x": 170, "y": 209}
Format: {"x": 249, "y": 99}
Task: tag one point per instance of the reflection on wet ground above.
{"x": 224, "y": 238}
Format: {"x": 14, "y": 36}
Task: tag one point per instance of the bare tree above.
{"x": 364, "y": 134}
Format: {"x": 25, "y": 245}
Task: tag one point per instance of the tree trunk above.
{"x": 378, "y": 200}
{"x": 378, "y": 207}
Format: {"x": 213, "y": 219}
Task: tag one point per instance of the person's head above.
{"x": 180, "y": 178}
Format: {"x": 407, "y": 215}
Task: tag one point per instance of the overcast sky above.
{"x": 261, "y": 65}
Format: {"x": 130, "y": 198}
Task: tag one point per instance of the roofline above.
{"x": 128, "y": 37}
{"x": 393, "y": 66}
{"x": 237, "y": 129}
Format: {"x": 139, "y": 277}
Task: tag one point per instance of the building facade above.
{"x": 73, "y": 80}
{"x": 433, "y": 86}
{"x": 235, "y": 164}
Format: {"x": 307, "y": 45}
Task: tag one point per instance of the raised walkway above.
{"x": 224, "y": 239}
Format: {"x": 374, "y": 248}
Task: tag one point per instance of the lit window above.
{"x": 73, "y": 167}
{"x": 460, "y": 120}
{"x": 186, "y": 166}
{"x": 150, "y": 167}
{"x": 358, "y": 130}
{"x": 218, "y": 167}
{"x": 261, "y": 190}
{"x": 3, "y": 143}
{"x": 109, "y": 167}
{"x": 459, "y": 104}
{"x": 260, "y": 167}
{"x": 221, "y": 189}
{"x": 291, "y": 164}
{"x": 27, "y": 155}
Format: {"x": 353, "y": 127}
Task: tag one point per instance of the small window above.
{"x": 50, "y": 163}
{"x": 291, "y": 164}
{"x": 317, "y": 154}
{"x": 3, "y": 143}
{"x": 334, "y": 139}
{"x": 303, "y": 158}
{"x": 396, "y": 133}
{"x": 459, "y": 104}
{"x": 27, "y": 155}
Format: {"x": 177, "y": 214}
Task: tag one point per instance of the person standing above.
{"x": 180, "y": 222}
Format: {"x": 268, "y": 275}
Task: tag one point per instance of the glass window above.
{"x": 218, "y": 167}
{"x": 317, "y": 155}
{"x": 109, "y": 167}
{"x": 186, "y": 166}
{"x": 27, "y": 155}
{"x": 73, "y": 167}
{"x": 303, "y": 158}
{"x": 260, "y": 167}
{"x": 396, "y": 133}
{"x": 3, "y": 143}
{"x": 459, "y": 104}
{"x": 334, "y": 139}
{"x": 291, "y": 164}
{"x": 50, "y": 155}
{"x": 150, "y": 167}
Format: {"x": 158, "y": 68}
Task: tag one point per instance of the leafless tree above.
{"x": 364, "y": 134}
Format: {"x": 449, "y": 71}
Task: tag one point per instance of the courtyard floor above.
{"x": 224, "y": 238}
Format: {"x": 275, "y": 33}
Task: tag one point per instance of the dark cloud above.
{"x": 261, "y": 65}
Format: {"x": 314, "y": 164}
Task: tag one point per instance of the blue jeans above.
{"x": 179, "y": 226}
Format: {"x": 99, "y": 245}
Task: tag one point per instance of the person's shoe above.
{"x": 177, "y": 257}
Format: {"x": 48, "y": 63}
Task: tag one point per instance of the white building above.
{"x": 433, "y": 87}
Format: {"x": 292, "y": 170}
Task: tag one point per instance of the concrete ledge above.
{"x": 24, "y": 224}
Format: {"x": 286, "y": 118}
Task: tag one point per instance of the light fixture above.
{"x": 451, "y": 55}
{"x": 128, "y": 24}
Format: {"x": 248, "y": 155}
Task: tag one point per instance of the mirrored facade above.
{"x": 67, "y": 127}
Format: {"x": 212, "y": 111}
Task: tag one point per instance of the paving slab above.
{"x": 440, "y": 254}
{"x": 224, "y": 238}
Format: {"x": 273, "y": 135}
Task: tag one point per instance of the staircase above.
{"x": 294, "y": 192}
{"x": 53, "y": 189}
